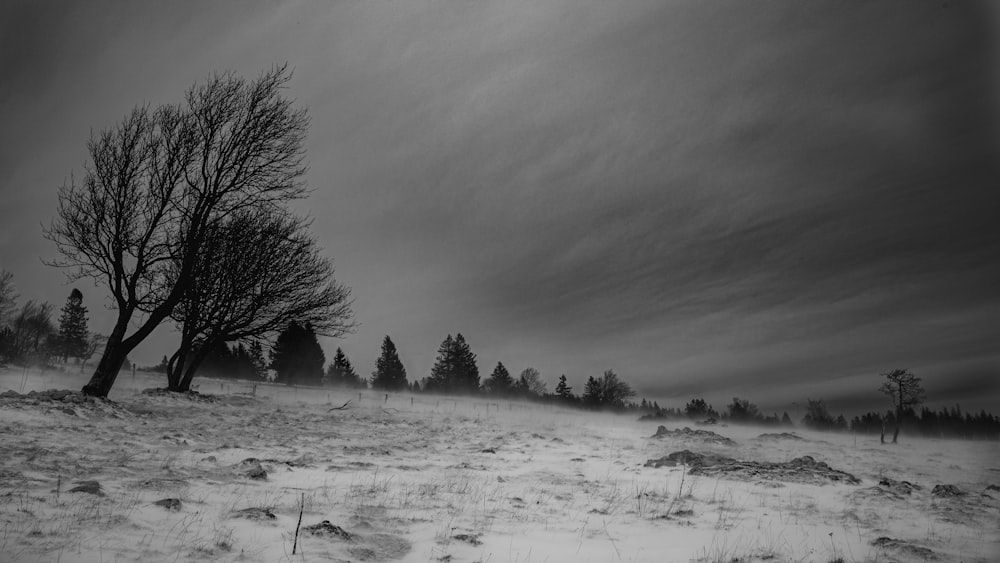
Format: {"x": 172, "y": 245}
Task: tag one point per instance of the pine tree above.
{"x": 389, "y": 372}
{"x": 342, "y": 373}
{"x": 257, "y": 359}
{"x": 500, "y": 381}
{"x": 72, "y": 339}
{"x": 455, "y": 370}
{"x": 563, "y": 390}
{"x": 443, "y": 372}
{"x": 297, "y": 358}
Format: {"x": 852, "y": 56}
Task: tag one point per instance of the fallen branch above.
{"x": 341, "y": 407}
{"x": 302, "y": 507}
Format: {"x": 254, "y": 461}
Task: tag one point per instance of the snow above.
{"x": 426, "y": 478}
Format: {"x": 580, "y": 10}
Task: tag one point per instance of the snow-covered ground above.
{"x": 424, "y": 478}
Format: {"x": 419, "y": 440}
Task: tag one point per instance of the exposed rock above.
{"x": 328, "y": 530}
{"x": 899, "y": 488}
{"x": 992, "y": 488}
{"x": 803, "y": 469}
{"x": 169, "y": 503}
{"x": 905, "y": 548}
{"x": 780, "y": 436}
{"x": 254, "y": 513}
{"x": 488, "y": 451}
{"x": 467, "y": 538}
{"x": 689, "y": 458}
{"x": 947, "y": 491}
{"x": 89, "y": 487}
{"x": 251, "y": 469}
{"x": 687, "y": 434}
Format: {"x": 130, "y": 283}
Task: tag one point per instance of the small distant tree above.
{"x": 699, "y": 409}
{"x": 30, "y": 334}
{"x": 607, "y": 391}
{"x": 743, "y": 410}
{"x": 342, "y": 373}
{"x": 94, "y": 343}
{"x": 786, "y": 420}
{"x": 905, "y": 391}
{"x": 256, "y": 351}
{"x": 530, "y": 383}
{"x": 389, "y": 373}
{"x": 8, "y": 297}
{"x": 72, "y": 339}
{"x": 563, "y": 390}
{"x": 818, "y": 417}
{"x": 499, "y": 382}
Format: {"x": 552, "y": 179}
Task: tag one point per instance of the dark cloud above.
{"x": 722, "y": 195}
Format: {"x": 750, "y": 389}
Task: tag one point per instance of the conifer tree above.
{"x": 297, "y": 358}
{"x": 467, "y": 375}
{"x": 455, "y": 370}
{"x": 500, "y": 381}
{"x": 443, "y": 372}
{"x": 72, "y": 339}
{"x": 342, "y": 373}
{"x": 389, "y": 372}
{"x": 563, "y": 390}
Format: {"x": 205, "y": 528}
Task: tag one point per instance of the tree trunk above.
{"x": 115, "y": 352}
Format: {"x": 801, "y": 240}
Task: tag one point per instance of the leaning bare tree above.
{"x": 905, "y": 391}
{"x": 260, "y": 271}
{"x": 159, "y": 181}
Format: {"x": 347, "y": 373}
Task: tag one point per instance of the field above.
{"x": 225, "y": 475}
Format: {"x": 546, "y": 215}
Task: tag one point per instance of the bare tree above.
{"x": 530, "y": 382}
{"x": 94, "y": 343}
{"x": 905, "y": 391}
{"x": 30, "y": 331}
{"x": 8, "y": 296}
{"x": 159, "y": 181}
{"x": 260, "y": 270}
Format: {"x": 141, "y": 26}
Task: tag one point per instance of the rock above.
{"x": 911, "y": 551}
{"x": 169, "y": 503}
{"x": 488, "y": 451}
{"x": 992, "y": 488}
{"x": 328, "y": 530}
{"x": 947, "y": 491}
{"x": 687, "y": 457}
{"x": 899, "y": 488}
{"x": 467, "y": 538}
{"x": 780, "y": 436}
{"x": 803, "y": 469}
{"x": 688, "y": 434}
{"x": 89, "y": 487}
{"x": 251, "y": 469}
{"x": 254, "y": 513}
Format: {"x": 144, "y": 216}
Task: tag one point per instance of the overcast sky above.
{"x": 776, "y": 200}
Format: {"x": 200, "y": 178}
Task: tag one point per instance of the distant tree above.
{"x": 159, "y": 181}
{"x": 297, "y": 358}
{"x": 563, "y": 390}
{"x": 455, "y": 369}
{"x": 607, "y": 391}
{"x": 530, "y": 383}
{"x": 699, "y": 409}
{"x": 905, "y": 391}
{"x": 341, "y": 372}
{"x": 72, "y": 338}
{"x": 786, "y": 420}
{"x": 742, "y": 410}
{"x": 30, "y": 335}
{"x": 256, "y": 351}
{"x": 499, "y": 382}
{"x": 389, "y": 373}
{"x": 818, "y": 417}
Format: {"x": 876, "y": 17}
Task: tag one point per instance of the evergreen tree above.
{"x": 389, "y": 372}
{"x": 297, "y": 358}
{"x": 342, "y": 373}
{"x": 257, "y": 359}
{"x": 500, "y": 381}
{"x": 72, "y": 339}
{"x": 592, "y": 393}
{"x": 563, "y": 390}
{"x": 455, "y": 370}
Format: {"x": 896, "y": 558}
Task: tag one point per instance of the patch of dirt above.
{"x": 326, "y": 529}
{"x": 891, "y": 489}
{"x": 803, "y": 469}
{"x": 688, "y": 435}
{"x": 947, "y": 491}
